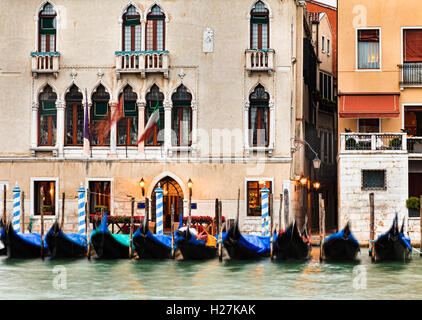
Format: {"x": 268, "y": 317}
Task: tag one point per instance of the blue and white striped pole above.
{"x": 159, "y": 210}
{"x": 16, "y": 208}
{"x": 264, "y": 212}
{"x": 81, "y": 211}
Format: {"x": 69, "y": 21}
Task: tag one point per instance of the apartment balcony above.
{"x": 142, "y": 62}
{"x": 45, "y": 63}
{"x": 373, "y": 142}
{"x": 411, "y": 75}
{"x": 259, "y": 60}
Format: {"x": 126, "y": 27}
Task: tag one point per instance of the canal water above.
{"x": 142, "y": 279}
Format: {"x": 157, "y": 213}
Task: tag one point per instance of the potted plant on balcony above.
{"x": 351, "y": 144}
{"x": 395, "y": 143}
{"x": 413, "y": 205}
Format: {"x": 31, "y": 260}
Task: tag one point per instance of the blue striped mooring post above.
{"x": 16, "y": 208}
{"x": 264, "y": 212}
{"x": 159, "y": 210}
{"x": 81, "y": 210}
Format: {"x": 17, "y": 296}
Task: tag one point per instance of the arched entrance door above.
{"x": 172, "y": 195}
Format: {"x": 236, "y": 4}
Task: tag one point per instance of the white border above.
{"x": 356, "y": 50}
{"x": 111, "y": 180}
{"x": 32, "y": 195}
{"x": 271, "y": 179}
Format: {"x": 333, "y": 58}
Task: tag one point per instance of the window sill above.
{"x": 53, "y": 149}
{"x": 268, "y": 149}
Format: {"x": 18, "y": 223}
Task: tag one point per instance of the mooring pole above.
{"x": 4, "y": 206}
{"x": 271, "y": 227}
{"x": 147, "y": 212}
{"x": 372, "y": 226}
{"x": 238, "y": 205}
{"x": 63, "y": 200}
{"x": 217, "y": 220}
{"x": 132, "y": 212}
{"x": 88, "y": 214}
{"x": 220, "y": 231}
{"x": 280, "y": 212}
{"x": 23, "y": 212}
{"x": 42, "y": 222}
{"x": 172, "y": 230}
{"x": 420, "y": 218}
{"x": 321, "y": 226}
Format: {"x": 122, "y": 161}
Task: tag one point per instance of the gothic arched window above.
{"x": 127, "y": 127}
{"x": 155, "y": 99}
{"x": 74, "y": 117}
{"x": 260, "y": 27}
{"x": 99, "y": 115}
{"x": 259, "y": 117}
{"x": 181, "y": 118}
{"x": 155, "y": 30}
{"x": 47, "y": 117}
{"x": 47, "y": 29}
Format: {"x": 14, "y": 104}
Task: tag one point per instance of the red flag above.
{"x": 151, "y": 124}
{"x": 115, "y": 117}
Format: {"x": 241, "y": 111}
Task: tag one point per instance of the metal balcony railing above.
{"x": 411, "y": 74}
{"x": 414, "y": 144}
{"x": 373, "y": 142}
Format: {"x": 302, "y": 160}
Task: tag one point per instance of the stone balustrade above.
{"x": 259, "y": 60}
{"x": 142, "y": 62}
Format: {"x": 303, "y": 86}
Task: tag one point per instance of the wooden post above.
{"x": 372, "y": 226}
{"x": 88, "y": 214}
{"x": 190, "y": 208}
{"x": 172, "y": 230}
{"x": 132, "y": 212}
{"x": 238, "y": 205}
{"x": 62, "y": 222}
{"x": 42, "y": 222}
{"x": 309, "y": 226}
{"x": 321, "y": 226}
{"x": 147, "y": 212}
{"x": 4, "y": 206}
{"x": 220, "y": 231}
{"x": 420, "y": 218}
{"x": 180, "y": 210}
{"x": 271, "y": 227}
{"x": 23, "y": 212}
{"x": 280, "y": 212}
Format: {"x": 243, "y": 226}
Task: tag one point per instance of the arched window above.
{"x": 181, "y": 118}
{"x": 260, "y": 27}
{"x": 155, "y": 30}
{"x": 154, "y": 99}
{"x": 131, "y": 33}
{"x": 74, "y": 117}
{"x": 259, "y": 117}
{"x": 99, "y": 117}
{"x": 47, "y": 29}
{"x": 47, "y": 117}
{"x": 127, "y": 127}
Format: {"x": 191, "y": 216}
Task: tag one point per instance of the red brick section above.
{"x": 315, "y": 6}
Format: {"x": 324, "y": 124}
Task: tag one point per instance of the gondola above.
{"x": 22, "y": 245}
{"x": 151, "y": 246}
{"x": 3, "y": 250}
{"x": 193, "y": 248}
{"x": 245, "y": 247}
{"x": 65, "y": 245}
{"x": 108, "y": 245}
{"x": 393, "y": 245}
{"x": 341, "y": 246}
{"x": 291, "y": 244}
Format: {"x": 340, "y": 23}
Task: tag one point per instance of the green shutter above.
{"x": 130, "y": 109}
{"x": 132, "y": 21}
{"x": 48, "y": 108}
{"x": 258, "y": 19}
{"x": 100, "y": 110}
{"x": 47, "y": 26}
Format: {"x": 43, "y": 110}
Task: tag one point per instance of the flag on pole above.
{"x": 115, "y": 117}
{"x": 153, "y": 120}
{"x": 87, "y": 128}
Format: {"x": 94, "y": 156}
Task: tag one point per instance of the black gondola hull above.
{"x": 192, "y": 251}
{"x": 106, "y": 247}
{"x": 287, "y": 248}
{"x": 18, "y": 248}
{"x": 147, "y": 248}
{"x": 61, "y": 247}
{"x": 391, "y": 250}
{"x": 340, "y": 250}
{"x": 237, "y": 251}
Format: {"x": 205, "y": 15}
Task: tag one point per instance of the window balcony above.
{"x": 414, "y": 145}
{"x": 373, "y": 142}
{"x": 259, "y": 60}
{"x": 142, "y": 62}
{"x": 411, "y": 75}
{"x": 45, "y": 63}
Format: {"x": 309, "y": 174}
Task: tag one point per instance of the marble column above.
{"x": 34, "y": 128}
{"x": 141, "y": 124}
{"x": 194, "y": 133}
{"x": 167, "y": 124}
{"x": 113, "y": 129}
{"x": 60, "y": 107}
{"x": 246, "y": 127}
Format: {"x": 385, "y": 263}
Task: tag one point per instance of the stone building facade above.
{"x": 212, "y": 68}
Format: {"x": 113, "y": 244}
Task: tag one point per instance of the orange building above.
{"x": 380, "y": 112}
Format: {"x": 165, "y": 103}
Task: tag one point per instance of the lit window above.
{"x": 99, "y": 197}
{"x": 368, "y": 49}
{"x": 254, "y": 196}
{"x": 49, "y": 199}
